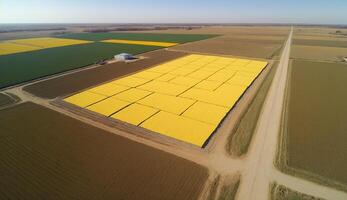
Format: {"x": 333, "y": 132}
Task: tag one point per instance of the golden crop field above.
{"x": 185, "y": 99}
{"x": 31, "y": 44}
{"x": 10, "y": 48}
{"x": 47, "y": 42}
{"x": 140, "y": 42}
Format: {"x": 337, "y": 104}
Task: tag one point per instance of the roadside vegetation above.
{"x": 7, "y": 99}
{"x": 228, "y": 191}
{"x": 280, "y": 192}
{"x": 224, "y": 188}
{"x": 214, "y": 188}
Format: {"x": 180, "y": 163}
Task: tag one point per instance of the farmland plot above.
{"x": 18, "y": 68}
{"x": 175, "y": 38}
{"x": 185, "y": 99}
{"x": 315, "y": 122}
{"x": 46, "y": 154}
{"x": 230, "y": 45}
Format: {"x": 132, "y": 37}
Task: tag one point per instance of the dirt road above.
{"x": 256, "y": 179}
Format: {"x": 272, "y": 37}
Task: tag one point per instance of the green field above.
{"x": 21, "y": 67}
{"x": 176, "y": 38}
{"x": 315, "y": 125}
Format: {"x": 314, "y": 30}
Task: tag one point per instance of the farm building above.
{"x": 124, "y": 57}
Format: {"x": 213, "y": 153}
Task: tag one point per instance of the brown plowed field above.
{"x": 245, "y": 41}
{"x": 74, "y": 82}
{"x": 315, "y": 120}
{"x": 321, "y": 53}
{"x": 45, "y": 155}
{"x": 231, "y": 30}
{"x": 231, "y": 45}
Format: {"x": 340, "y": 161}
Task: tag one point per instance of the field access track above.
{"x": 185, "y": 99}
{"x": 46, "y": 154}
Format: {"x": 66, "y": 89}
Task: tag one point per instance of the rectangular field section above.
{"x": 44, "y": 153}
{"x": 315, "y": 120}
{"x": 185, "y": 99}
{"x": 24, "y": 60}
{"x": 21, "y": 67}
{"x": 140, "y": 42}
{"x": 158, "y": 37}
{"x": 10, "y": 48}
{"x": 23, "y": 45}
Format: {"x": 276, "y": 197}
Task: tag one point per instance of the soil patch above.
{"x": 44, "y": 153}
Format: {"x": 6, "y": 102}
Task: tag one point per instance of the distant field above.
{"x": 46, "y": 154}
{"x": 318, "y": 53}
{"x": 325, "y": 43}
{"x": 18, "y": 68}
{"x": 31, "y": 44}
{"x": 228, "y": 45}
{"x": 315, "y": 121}
{"x": 141, "y": 42}
{"x": 274, "y": 31}
{"x": 32, "y": 62}
{"x": 72, "y": 83}
{"x": 10, "y": 48}
{"x": 320, "y": 37}
{"x": 176, "y": 38}
{"x": 318, "y": 44}
{"x": 317, "y": 31}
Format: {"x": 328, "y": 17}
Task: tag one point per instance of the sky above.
{"x": 174, "y": 11}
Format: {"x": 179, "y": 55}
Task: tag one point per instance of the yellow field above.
{"x": 31, "y": 44}
{"x": 10, "y": 48}
{"x": 185, "y": 99}
{"x": 47, "y": 42}
{"x": 139, "y": 42}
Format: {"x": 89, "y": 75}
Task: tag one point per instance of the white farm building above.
{"x": 124, "y": 57}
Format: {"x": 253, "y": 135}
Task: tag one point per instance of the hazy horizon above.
{"x": 175, "y": 12}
